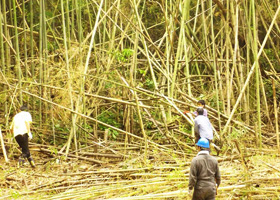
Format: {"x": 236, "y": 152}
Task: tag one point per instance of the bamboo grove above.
{"x": 129, "y": 68}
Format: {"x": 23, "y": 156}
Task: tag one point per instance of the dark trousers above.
{"x": 208, "y": 193}
{"x": 22, "y": 141}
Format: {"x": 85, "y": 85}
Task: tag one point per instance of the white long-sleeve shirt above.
{"x": 203, "y": 126}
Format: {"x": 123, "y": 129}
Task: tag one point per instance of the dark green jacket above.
{"x": 204, "y": 171}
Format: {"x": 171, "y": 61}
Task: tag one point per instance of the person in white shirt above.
{"x": 21, "y": 129}
{"x": 202, "y": 126}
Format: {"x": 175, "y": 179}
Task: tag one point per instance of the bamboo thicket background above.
{"x": 128, "y": 68}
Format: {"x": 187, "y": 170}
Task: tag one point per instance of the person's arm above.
{"x": 205, "y": 112}
{"x": 218, "y": 176}
{"x": 28, "y": 124}
{"x": 196, "y": 131}
{"x": 192, "y": 177}
{"x": 12, "y": 126}
{"x": 194, "y": 113}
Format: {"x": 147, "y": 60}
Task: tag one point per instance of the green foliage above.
{"x": 111, "y": 119}
{"x": 58, "y": 127}
{"x": 141, "y": 71}
{"x": 235, "y": 134}
{"x": 49, "y": 14}
{"x": 88, "y": 128}
{"x": 108, "y": 85}
{"x": 108, "y": 118}
{"x": 149, "y": 125}
{"x": 123, "y": 55}
{"x": 53, "y": 150}
{"x": 149, "y": 84}
{"x": 52, "y": 46}
{"x": 113, "y": 133}
{"x": 153, "y": 15}
{"x": 271, "y": 54}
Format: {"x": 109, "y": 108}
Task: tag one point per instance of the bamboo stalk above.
{"x": 95, "y": 120}
{"x": 25, "y": 41}
{"x": 3, "y": 146}
{"x": 276, "y": 114}
{"x": 74, "y": 156}
{"x": 251, "y": 71}
{"x": 19, "y": 72}
{"x": 7, "y": 50}
{"x": 72, "y": 133}
{"x": 215, "y": 66}
{"x": 255, "y": 53}
{"x": 227, "y": 43}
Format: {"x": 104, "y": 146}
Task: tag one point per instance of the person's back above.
{"x": 204, "y": 175}
{"x": 19, "y": 123}
{"x": 203, "y": 127}
{"x": 205, "y": 170}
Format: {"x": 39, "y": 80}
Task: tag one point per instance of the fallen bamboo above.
{"x": 278, "y": 170}
{"x": 95, "y": 120}
{"x": 100, "y": 155}
{"x": 73, "y": 156}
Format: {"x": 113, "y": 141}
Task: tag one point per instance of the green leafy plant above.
{"x": 113, "y": 133}
{"x": 53, "y": 150}
{"x": 123, "y": 55}
{"x": 149, "y": 83}
{"x": 108, "y": 118}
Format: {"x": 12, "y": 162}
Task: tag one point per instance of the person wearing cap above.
{"x": 21, "y": 129}
{"x": 204, "y": 176}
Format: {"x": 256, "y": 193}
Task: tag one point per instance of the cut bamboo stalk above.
{"x": 74, "y": 156}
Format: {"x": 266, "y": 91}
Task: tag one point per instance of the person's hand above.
{"x": 30, "y": 136}
{"x": 186, "y": 111}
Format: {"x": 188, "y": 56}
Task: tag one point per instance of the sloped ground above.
{"x": 164, "y": 176}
